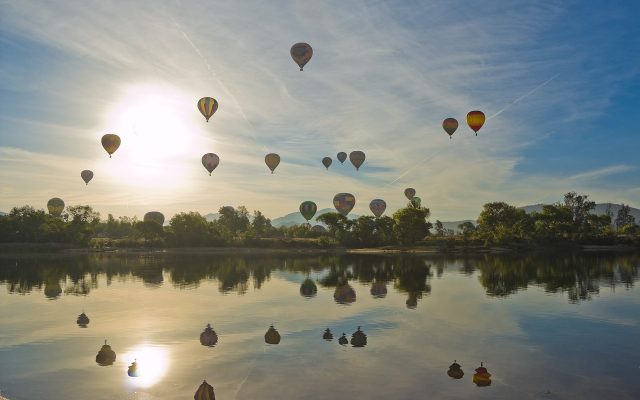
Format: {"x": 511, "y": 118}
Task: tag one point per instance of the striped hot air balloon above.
{"x": 377, "y": 207}
{"x": 208, "y": 106}
{"x": 450, "y": 125}
{"x": 205, "y": 392}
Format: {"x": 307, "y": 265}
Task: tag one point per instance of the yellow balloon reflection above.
{"x": 152, "y": 365}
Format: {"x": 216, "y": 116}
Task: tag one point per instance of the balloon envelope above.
{"x": 272, "y": 160}
{"x": 154, "y": 216}
{"x": 308, "y": 209}
{"x": 205, "y": 392}
{"x": 207, "y": 106}
{"x": 409, "y": 193}
{"x": 475, "y": 119}
{"x": 110, "y": 143}
{"x": 344, "y": 202}
{"x": 301, "y": 54}
{"x": 86, "y": 176}
{"x": 55, "y": 206}
{"x": 342, "y": 156}
{"x": 450, "y": 125}
{"x": 210, "y": 161}
{"x": 416, "y": 202}
{"x": 357, "y": 158}
{"x": 377, "y": 207}
{"x": 327, "y": 162}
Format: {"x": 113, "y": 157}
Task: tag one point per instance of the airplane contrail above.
{"x": 529, "y": 93}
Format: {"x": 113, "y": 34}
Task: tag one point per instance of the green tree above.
{"x": 411, "y": 224}
{"x": 192, "y": 229}
{"x": 624, "y": 217}
{"x": 467, "y": 228}
{"x": 555, "y": 221}
{"x": 500, "y": 222}
{"x": 580, "y": 207}
{"x": 234, "y": 220}
{"x": 260, "y": 226}
{"x": 439, "y": 228}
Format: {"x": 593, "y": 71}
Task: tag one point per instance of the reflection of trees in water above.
{"x": 581, "y": 276}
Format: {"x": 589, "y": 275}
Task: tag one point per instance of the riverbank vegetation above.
{"x": 565, "y": 223}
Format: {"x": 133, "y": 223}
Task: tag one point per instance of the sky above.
{"x": 558, "y": 81}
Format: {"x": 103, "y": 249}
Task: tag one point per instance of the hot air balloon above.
{"x": 308, "y": 209}
{"x": 416, "y": 202}
{"x": 86, "y": 176}
{"x": 207, "y": 106}
{"x": 106, "y": 356}
{"x": 475, "y": 119}
{"x": 82, "y": 320}
{"x": 154, "y": 216}
{"x": 344, "y": 202}
{"x": 450, "y": 125}
{"x": 343, "y": 341}
{"x": 55, "y": 206}
{"x": 132, "y": 371}
{"x": 210, "y": 161}
{"x": 327, "y": 335}
{"x": 308, "y": 288}
{"x": 377, "y": 207}
{"x": 482, "y": 377}
{"x": 358, "y": 338}
{"x": 205, "y": 392}
{"x": 357, "y": 158}
{"x": 409, "y": 193}
{"x": 301, "y": 54}
{"x": 208, "y": 337}
{"x": 342, "y": 156}
{"x": 110, "y": 143}
{"x": 272, "y": 160}
{"x": 272, "y": 336}
{"x": 319, "y": 229}
{"x": 327, "y": 162}
{"x": 455, "y": 371}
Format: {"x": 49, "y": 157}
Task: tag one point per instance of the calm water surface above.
{"x": 560, "y": 327}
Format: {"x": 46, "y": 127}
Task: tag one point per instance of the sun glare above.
{"x": 159, "y": 143}
{"x": 152, "y": 363}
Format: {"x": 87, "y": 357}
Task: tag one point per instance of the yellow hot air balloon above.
{"x": 450, "y": 125}
{"x": 272, "y": 160}
{"x": 205, "y": 392}
{"x": 86, "y": 176}
{"x": 110, "y": 142}
{"x": 207, "y": 106}
{"x": 475, "y": 120}
{"x": 301, "y": 54}
{"x": 357, "y": 158}
{"x": 55, "y": 206}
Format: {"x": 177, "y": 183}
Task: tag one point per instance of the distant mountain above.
{"x": 2, "y": 213}
{"x": 212, "y": 217}
{"x": 296, "y": 218}
{"x": 453, "y": 225}
{"x": 601, "y": 209}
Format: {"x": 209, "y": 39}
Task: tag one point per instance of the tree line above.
{"x": 499, "y": 223}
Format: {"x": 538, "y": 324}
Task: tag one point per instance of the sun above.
{"x": 161, "y": 144}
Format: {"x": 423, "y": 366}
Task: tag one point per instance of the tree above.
{"x": 334, "y": 221}
{"x": 501, "y": 222}
{"x": 555, "y": 221}
{"x": 191, "y": 229}
{"x": 580, "y": 207}
{"x": 236, "y": 221}
{"x": 411, "y": 224}
{"x": 467, "y": 228}
{"x": 440, "y": 231}
{"x": 25, "y": 222}
{"x": 624, "y": 217}
{"x": 82, "y": 224}
{"x": 260, "y": 226}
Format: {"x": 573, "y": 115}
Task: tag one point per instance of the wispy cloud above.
{"x": 601, "y": 172}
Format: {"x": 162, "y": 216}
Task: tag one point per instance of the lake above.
{"x": 545, "y": 327}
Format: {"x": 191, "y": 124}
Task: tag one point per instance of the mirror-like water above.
{"x": 545, "y": 327}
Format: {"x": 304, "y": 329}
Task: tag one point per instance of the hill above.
{"x": 601, "y": 209}
{"x": 295, "y": 218}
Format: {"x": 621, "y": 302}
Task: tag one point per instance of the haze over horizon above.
{"x": 559, "y": 83}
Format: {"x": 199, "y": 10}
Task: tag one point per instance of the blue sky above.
{"x": 558, "y": 81}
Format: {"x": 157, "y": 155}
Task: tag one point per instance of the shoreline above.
{"x": 58, "y": 248}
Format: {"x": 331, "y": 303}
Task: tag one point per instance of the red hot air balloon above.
{"x": 475, "y": 119}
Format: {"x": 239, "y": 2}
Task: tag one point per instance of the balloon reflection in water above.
{"x": 344, "y": 294}
{"x": 205, "y": 392}
{"x": 106, "y": 356}
{"x": 455, "y": 371}
{"x": 308, "y": 288}
{"x": 378, "y": 290}
{"x": 149, "y": 364}
{"x": 272, "y": 336}
{"x": 343, "y": 341}
{"x": 482, "y": 377}
{"x": 208, "y": 337}
{"x": 358, "y": 338}
{"x": 82, "y": 320}
{"x": 327, "y": 335}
